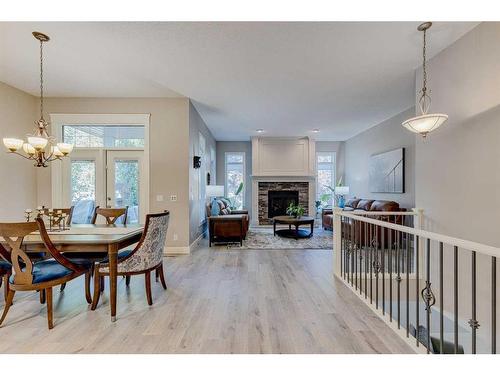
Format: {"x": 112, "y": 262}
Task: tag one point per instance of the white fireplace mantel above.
{"x": 283, "y": 157}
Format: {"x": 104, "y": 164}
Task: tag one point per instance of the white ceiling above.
{"x": 287, "y": 78}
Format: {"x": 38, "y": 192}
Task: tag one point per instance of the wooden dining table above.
{"x": 92, "y": 238}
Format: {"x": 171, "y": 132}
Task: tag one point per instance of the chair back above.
{"x": 67, "y": 211}
{"x": 149, "y": 252}
{"x": 111, "y": 215}
{"x": 13, "y": 235}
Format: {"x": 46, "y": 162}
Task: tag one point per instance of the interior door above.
{"x": 83, "y": 183}
{"x": 125, "y": 183}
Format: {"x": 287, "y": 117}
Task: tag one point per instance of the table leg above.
{"x": 113, "y": 255}
{"x": 296, "y": 232}
{"x": 312, "y": 229}
{"x": 274, "y": 228}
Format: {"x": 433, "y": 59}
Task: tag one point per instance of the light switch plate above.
{"x": 159, "y": 198}
{"x": 173, "y": 198}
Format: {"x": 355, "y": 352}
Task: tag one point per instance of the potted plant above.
{"x": 295, "y": 210}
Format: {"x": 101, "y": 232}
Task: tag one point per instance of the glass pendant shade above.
{"x": 13, "y": 144}
{"x": 56, "y": 151}
{"x": 38, "y": 143}
{"x": 65, "y": 148}
{"x": 424, "y": 124}
{"x": 29, "y": 149}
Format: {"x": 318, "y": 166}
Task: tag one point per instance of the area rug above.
{"x": 263, "y": 238}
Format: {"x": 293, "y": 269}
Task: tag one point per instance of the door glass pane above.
{"x": 127, "y": 187}
{"x": 82, "y": 190}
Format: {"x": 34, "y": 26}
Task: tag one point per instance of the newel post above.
{"x": 337, "y": 241}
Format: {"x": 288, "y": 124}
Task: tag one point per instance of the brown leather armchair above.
{"x": 229, "y": 226}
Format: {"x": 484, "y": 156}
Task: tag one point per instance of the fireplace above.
{"x": 273, "y": 197}
{"x": 279, "y": 200}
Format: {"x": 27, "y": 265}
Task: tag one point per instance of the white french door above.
{"x": 105, "y": 178}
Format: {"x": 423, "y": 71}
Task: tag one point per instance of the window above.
{"x": 325, "y": 175}
{"x": 109, "y": 136}
{"x": 82, "y": 181}
{"x": 235, "y": 175}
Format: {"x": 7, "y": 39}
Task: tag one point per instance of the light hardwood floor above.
{"x": 218, "y": 301}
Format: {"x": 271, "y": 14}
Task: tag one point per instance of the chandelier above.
{"x": 426, "y": 122}
{"x": 40, "y": 146}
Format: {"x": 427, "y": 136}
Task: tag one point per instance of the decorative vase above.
{"x": 215, "y": 209}
{"x": 341, "y": 201}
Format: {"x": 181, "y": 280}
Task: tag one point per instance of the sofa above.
{"x": 227, "y": 227}
{"x": 356, "y": 229}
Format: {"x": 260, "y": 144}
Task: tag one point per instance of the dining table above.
{"x": 92, "y": 238}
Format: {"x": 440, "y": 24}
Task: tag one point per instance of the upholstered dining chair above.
{"x": 145, "y": 258}
{"x": 29, "y": 275}
{"x": 112, "y": 215}
{"x": 5, "y": 270}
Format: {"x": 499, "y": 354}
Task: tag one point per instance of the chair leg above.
{"x": 159, "y": 270}
{"x": 63, "y": 286}
{"x": 6, "y": 287}
{"x": 8, "y": 303}
{"x": 127, "y": 280}
{"x": 101, "y": 282}
{"x": 42, "y": 296}
{"x": 88, "y": 297}
{"x": 97, "y": 289}
{"x": 147, "y": 278}
{"x": 50, "y": 316}
{"x": 156, "y": 275}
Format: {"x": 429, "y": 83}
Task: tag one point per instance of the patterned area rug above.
{"x": 263, "y": 238}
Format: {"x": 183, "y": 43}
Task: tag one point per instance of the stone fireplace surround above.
{"x": 264, "y": 187}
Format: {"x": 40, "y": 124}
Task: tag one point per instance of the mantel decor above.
{"x": 37, "y": 143}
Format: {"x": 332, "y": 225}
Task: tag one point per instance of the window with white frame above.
{"x": 234, "y": 177}
{"x": 325, "y": 176}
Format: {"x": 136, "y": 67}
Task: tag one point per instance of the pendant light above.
{"x": 426, "y": 122}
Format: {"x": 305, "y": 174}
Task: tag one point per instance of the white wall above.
{"x": 385, "y": 136}
{"x": 196, "y": 126}
{"x": 18, "y": 111}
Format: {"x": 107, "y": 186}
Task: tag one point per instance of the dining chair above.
{"x": 67, "y": 211}
{"x": 111, "y": 214}
{"x": 5, "y": 269}
{"x": 42, "y": 275}
{"x": 146, "y": 257}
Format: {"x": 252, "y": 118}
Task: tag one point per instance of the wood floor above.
{"x": 218, "y": 301}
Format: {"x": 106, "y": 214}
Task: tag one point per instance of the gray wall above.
{"x": 196, "y": 126}
{"x": 457, "y": 166}
{"x": 246, "y": 147}
{"x": 386, "y": 136}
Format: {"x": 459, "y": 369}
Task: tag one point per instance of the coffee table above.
{"x": 296, "y": 222}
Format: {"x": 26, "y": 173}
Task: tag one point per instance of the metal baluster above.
{"x": 427, "y": 294}
{"x": 366, "y": 260}
{"x": 390, "y": 274}
{"x": 371, "y": 262}
{"x": 377, "y": 267}
{"x": 474, "y": 324}
{"x": 441, "y": 305}
{"x": 351, "y": 250}
{"x": 493, "y": 305}
{"x": 383, "y": 271}
{"x": 408, "y": 237}
{"x": 398, "y": 277}
{"x": 417, "y": 286}
{"x": 455, "y": 300}
{"x": 355, "y": 256}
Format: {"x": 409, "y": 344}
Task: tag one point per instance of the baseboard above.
{"x": 175, "y": 250}
{"x": 196, "y": 242}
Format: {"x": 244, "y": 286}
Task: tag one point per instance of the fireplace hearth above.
{"x": 279, "y": 200}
